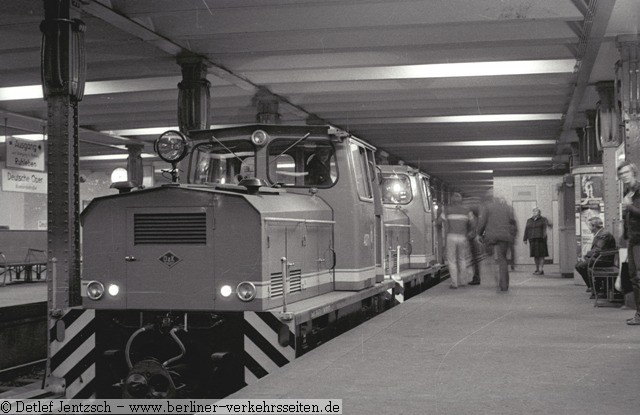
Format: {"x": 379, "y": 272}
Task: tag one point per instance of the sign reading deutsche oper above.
{"x": 24, "y": 181}
{"x": 25, "y": 154}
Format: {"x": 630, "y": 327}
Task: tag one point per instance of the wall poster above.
{"x": 591, "y": 204}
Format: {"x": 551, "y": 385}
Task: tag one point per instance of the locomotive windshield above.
{"x": 213, "y": 163}
{"x": 396, "y": 189}
{"x": 298, "y": 163}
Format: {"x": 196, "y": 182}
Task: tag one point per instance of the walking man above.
{"x": 457, "y": 220}
{"x": 497, "y": 228}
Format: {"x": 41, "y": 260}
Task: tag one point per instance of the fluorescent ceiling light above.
{"x": 487, "y": 143}
{"x": 459, "y": 118}
{"x": 32, "y": 137}
{"x": 438, "y": 70}
{"x": 104, "y": 157}
{"x": 95, "y": 88}
{"x": 457, "y": 171}
{"x": 157, "y": 130}
{"x": 12, "y": 93}
{"x": 488, "y": 160}
{"x": 141, "y": 131}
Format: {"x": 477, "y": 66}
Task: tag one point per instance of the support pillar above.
{"x": 63, "y": 77}
{"x": 582, "y": 147}
{"x": 194, "y": 96}
{"x": 628, "y": 79}
{"x": 590, "y": 139}
{"x": 267, "y": 106}
{"x": 608, "y": 133}
{"x": 135, "y": 171}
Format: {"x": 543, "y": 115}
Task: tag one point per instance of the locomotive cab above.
{"x": 307, "y": 160}
{"x": 407, "y": 192}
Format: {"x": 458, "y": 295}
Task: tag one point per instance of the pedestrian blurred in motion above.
{"x": 474, "y": 245}
{"x": 497, "y": 228}
{"x": 628, "y": 175}
{"x": 456, "y": 219}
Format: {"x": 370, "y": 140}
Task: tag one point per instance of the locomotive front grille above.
{"x": 170, "y": 228}
{"x": 295, "y": 283}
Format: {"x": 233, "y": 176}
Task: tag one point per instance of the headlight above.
{"x": 226, "y": 290}
{"x": 246, "y": 291}
{"x": 259, "y": 137}
{"x": 171, "y": 146}
{"x": 113, "y": 290}
{"x": 95, "y": 290}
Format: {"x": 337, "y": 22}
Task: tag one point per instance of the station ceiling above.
{"x": 464, "y": 90}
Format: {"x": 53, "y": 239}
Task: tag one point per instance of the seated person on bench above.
{"x": 603, "y": 240}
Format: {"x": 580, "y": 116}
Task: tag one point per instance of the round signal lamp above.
{"x": 95, "y": 290}
{"x": 171, "y": 146}
{"x": 246, "y": 291}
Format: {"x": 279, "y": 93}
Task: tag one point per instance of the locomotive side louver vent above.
{"x": 170, "y": 228}
{"x": 295, "y": 283}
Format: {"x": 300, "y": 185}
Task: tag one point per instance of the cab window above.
{"x": 213, "y": 163}
{"x": 396, "y": 189}
{"x": 426, "y": 194}
{"x": 361, "y": 170}
{"x": 297, "y": 163}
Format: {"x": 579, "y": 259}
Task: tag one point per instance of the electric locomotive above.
{"x": 268, "y": 217}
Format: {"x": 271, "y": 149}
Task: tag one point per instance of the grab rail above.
{"x": 328, "y": 222}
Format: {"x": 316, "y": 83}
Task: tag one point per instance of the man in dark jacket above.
{"x": 628, "y": 174}
{"x": 497, "y": 227}
{"x": 602, "y": 241}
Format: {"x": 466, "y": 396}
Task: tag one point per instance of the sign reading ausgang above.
{"x": 24, "y": 181}
{"x": 25, "y": 154}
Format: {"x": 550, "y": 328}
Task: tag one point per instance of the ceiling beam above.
{"x": 102, "y": 10}
{"x": 594, "y": 28}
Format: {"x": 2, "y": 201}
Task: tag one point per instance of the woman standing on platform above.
{"x": 535, "y": 232}
{"x": 628, "y": 174}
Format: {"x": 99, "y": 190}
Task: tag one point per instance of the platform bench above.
{"x": 34, "y": 262}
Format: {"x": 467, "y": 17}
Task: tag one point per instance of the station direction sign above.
{"x": 24, "y": 181}
{"x": 25, "y": 154}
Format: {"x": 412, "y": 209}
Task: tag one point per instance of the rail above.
{"x": 393, "y": 225}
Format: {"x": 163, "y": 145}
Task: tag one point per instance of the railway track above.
{"x": 22, "y": 375}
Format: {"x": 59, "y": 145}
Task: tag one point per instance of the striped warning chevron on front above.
{"x": 72, "y": 351}
{"x": 263, "y": 353}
